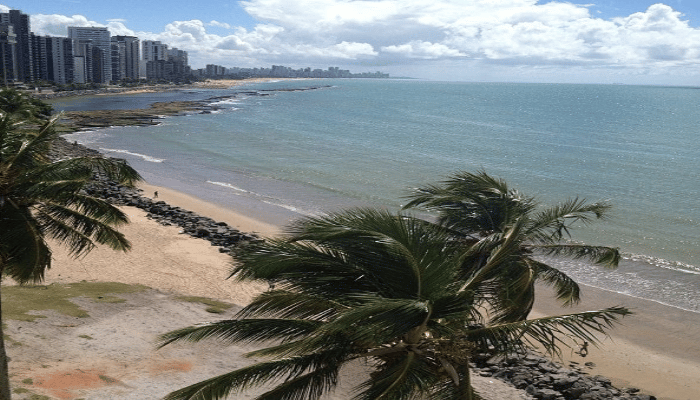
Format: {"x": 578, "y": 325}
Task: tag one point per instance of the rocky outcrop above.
{"x": 546, "y": 380}
{"x": 217, "y": 233}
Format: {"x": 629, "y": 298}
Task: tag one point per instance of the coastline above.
{"x": 207, "y": 84}
{"x": 653, "y": 350}
{"x": 656, "y": 349}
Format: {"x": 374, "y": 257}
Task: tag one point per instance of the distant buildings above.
{"x": 91, "y": 55}
{"x": 279, "y": 71}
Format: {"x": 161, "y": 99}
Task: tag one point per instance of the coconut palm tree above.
{"x": 41, "y": 199}
{"x": 375, "y": 286}
{"x": 14, "y": 103}
{"x": 478, "y": 209}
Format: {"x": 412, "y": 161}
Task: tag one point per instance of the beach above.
{"x": 656, "y": 349}
{"x": 112, "y": 353}
{"x": 653, "y": 350}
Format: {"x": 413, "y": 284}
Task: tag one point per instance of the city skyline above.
{"x": 611, "y": 41}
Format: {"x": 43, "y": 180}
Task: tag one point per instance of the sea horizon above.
{"x": 279, "y": 155}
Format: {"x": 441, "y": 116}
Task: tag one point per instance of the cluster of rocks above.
{"x": 546, "y": 380}
{"x": 217, "y": 233}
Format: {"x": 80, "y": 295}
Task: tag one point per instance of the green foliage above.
{"x": 389, "y": 288}
{"x": 480, "y": 211}
{"x": 21, "y": 106}
{"x": 41, "y": 198}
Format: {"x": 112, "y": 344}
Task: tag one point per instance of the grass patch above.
{"x": 39, "y": 397}
{"x": 28, "y": 381}
{"x": 20, "y": 391}
{"x": 17, "y": 301}
{"x": 215, "y": 307}
{"x": 86, "y": 337}
{"x": 107, "y": 379}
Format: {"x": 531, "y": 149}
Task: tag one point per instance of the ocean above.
{"x": 276, "y": 154}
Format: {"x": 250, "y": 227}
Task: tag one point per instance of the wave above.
{"x": 226, "y": 102}
{"x": 143, "y": 156}
{"x": 666, "y": 264}
{"x": 273, "y": 201}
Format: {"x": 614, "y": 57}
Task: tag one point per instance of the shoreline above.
{"x": 653, "y": 350}
{"x": 118, "y": 90}
{"x": 656, "y": 349}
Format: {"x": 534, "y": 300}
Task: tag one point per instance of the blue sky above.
{"x": 604, "y": 41}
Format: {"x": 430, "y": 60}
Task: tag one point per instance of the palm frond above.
{"x": 25, "y": 254}
{"x": 242, "y": 331}
{"x": 608, "y": 257}
{"x": 553, "y": 223}
{"x": 379, "y": 320}
{"x": 408, "y": 377}
{"x": 78, "y": 231}
{"x": 548, "y": 332}
{"x": 259, "y": 374}
{"x": 567, "y": 290}
{"x": 286, "y": 304}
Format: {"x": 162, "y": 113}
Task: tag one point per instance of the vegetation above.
{"x": 41, "y": 199}
{"x": 215, "y": 307}
{"x": 477, "y": 210}
{"x": 396, "y": 291}
{"x": 19, "y": 300}
{"x": 20, "y": 106}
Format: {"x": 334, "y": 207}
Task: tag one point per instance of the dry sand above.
{"x": 112, "y": 355}
{"x": 657, "y": 349}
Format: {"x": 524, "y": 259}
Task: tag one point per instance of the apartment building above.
{"x": 101, "y": 39}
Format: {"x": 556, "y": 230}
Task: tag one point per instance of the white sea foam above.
{"x": 143, "y": 156}
{"x": 263, "y": 198}
{"x": 661, "y": 263}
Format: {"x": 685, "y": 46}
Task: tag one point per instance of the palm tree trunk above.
{"x": 4, "y": 370}
{"x": 466, "y": 392}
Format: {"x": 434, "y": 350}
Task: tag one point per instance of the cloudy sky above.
{"x": 604, "y": 41}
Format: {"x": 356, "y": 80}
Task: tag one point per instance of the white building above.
{"x": 101, "y": 39}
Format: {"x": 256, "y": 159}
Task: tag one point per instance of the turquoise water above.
{"x": 365, "y": 142}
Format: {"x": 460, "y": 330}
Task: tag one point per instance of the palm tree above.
{"x": 41, "y": 199}
{"x": 14, "y": 103}
{"x": 478, "y": 209}
{"x": 370, "y": 285}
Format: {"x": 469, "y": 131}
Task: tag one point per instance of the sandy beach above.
{"x": 655, "y": 350}
{"x": 111, "y": 354}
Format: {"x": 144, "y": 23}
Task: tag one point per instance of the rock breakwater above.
{"x": 544, "y": 379}
{"x": 217, "y": 233}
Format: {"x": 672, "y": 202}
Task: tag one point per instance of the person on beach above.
{"x": 155, "y": 194}
{"x": 583, "y": 350}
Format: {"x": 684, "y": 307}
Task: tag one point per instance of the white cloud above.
{"x": 57, "y": 25}
{"x": 425, "y": 50}
{"x": 220, "y": 24}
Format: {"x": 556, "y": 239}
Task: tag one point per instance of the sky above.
{"x": 601, "y": 41}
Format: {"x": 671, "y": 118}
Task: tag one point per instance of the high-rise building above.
{"x": 20, "y": 24}
{"x": 131, "y": 56}
{"x": 101, "y": 39}
{"x": 153, "y": 51}
{"x": 8, "y": 54}
{"x": 40, "y": 63}
{"x": 59, "y": 54}
{"x": 118, "y": 58}
{"x": 82, "y": 60}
